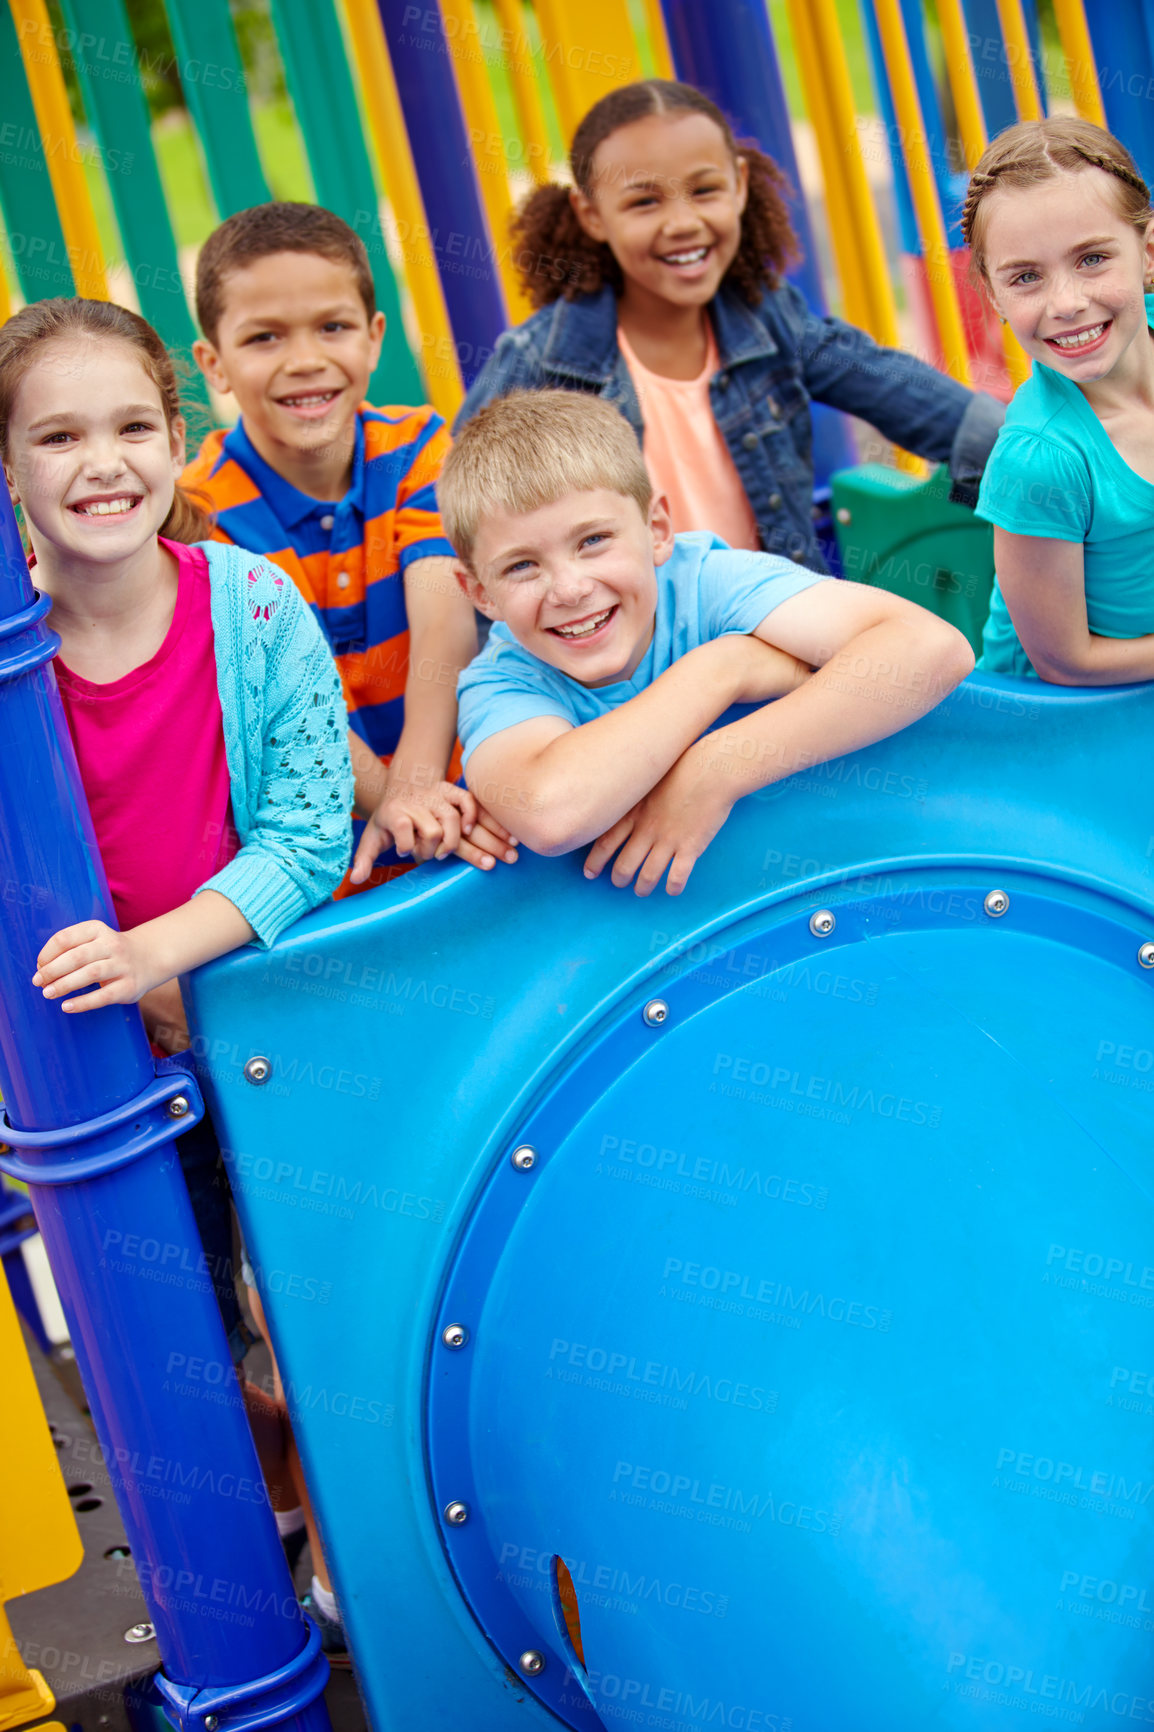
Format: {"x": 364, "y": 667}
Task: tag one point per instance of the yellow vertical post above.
{"x": 486, "y": 144}
{"x": 972, "y": 126}
{"x": 58, "y": 136}
{"x": 1020, "y": 61}
{"x": 39, "y": 1540}
{"x": 589, "y": 50}
{"x": 395, "y": 160}
{"x": 523, "y": 83}
{"x": 854, "y": 228}
{"x": 923, "y": 191}
{"x": 867, "y": 293}
{"x": 658, "y": 39}
{"x": 1070, "y": 17}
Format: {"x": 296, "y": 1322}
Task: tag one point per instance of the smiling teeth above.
{"x": 106, "y": 507}
{"x": 583, "y": 630}
{"x": 309, "y": 401}
{"x": 1082, "y": 337}
{"x": 693, "y": 258}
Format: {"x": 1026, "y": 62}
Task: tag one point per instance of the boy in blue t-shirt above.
{"x": 619, "y": 644}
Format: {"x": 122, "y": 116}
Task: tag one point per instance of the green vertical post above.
{"x": 321, "y": 87}
{"x": 26, "y": 198}
{"x": 212, "y": 77}
{"x": 104, "y": 54}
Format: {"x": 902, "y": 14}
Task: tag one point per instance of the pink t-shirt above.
{"x": 151, "y": 753}
{"x": 687, "y": 458}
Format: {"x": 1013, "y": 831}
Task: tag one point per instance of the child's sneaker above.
{"x": 332, "y": 1633}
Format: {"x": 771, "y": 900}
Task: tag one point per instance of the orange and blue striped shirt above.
{"x": 348, "y": 558}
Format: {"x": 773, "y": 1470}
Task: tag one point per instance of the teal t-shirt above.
{"x": 1054, "y": 472}
{"x": 705, "y": 589}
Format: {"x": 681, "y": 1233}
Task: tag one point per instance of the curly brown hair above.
{"x": 22, "y": 343}
{"x": 557, "y": 260}
{"x": 1037, "y": 150}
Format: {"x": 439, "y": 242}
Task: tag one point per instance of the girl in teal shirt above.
{"x": 1059, "y": 223}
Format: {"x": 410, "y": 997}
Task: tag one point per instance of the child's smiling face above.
{"x": 1068, "y": 272}
{"x": 574, "y": 580}
{"x": 667, "y": 199}
{"x": 91, "y": 457}
{"x": 297, "y": 347}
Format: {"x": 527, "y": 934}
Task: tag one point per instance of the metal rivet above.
{"x": 257, "y": 1070}
{"x": 1146, "y": 955}
{"x": 211, "y": 1722}
{"x": 822, "y": 923}
{"x": 844, "y": 514}
{"x": 454, "y": 1335}
{"x": 996, "y": 904}
{"x": 655, "y": 1013}
{"x": 524, "y": 1157}
{"x": 140, "y": 1633}
{"x": 456, "y": 1514}
{"x": 531, "y": 1662}
{"x": 178, "y": 1106}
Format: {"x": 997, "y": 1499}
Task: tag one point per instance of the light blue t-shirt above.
{"x": 705, "y": 590}
{"x": 1055, "y": 472}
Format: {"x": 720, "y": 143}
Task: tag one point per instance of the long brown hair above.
{"x": 1038, "y": 150}
{"x": 555, "y": 257}
{"x": 22, "y": 340}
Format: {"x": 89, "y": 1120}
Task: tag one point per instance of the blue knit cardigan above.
{"x": 286, "y": 742}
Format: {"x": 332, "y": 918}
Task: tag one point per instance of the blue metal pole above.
{"x": 90, "y": 1124}
{"x": 1122, "y": 37}
{"x": 459, "y": 232}
{"x": 725, "y": 48}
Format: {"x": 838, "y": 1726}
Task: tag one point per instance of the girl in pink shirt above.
{"x": 203, "y": 704}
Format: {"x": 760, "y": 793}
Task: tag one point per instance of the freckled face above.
{"x": 91, "y": 458}
{"x": 1067, "y": 273}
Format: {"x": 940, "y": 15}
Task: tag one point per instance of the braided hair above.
{"x": 557, "y": 260}
{"x": 1037, "y": 150}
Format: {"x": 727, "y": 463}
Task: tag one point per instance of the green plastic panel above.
{"x": 212, "y": 77}
{"x": 321, "y": 86}
{"x": 35, "y": 237}
{"x": 104, "y": 54}
{"x": 902, "y": 534}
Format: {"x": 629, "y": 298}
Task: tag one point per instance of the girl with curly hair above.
{"x": 658, "y": 279}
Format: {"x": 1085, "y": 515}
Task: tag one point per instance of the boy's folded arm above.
{"x": 1044, "y": 586}
{"x": 881, "y": 663}
{"x": 557, "y": 786}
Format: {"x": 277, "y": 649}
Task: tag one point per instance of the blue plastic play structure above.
{"x": 777, "y": 1257}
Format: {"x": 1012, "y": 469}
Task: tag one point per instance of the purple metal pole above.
{"x": 459, "y": 233}
{"x": 91, "y": 1121}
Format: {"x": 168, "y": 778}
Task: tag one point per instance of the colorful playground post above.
{"x": 90, "y": 1121}
{"x": 733, "y": 1260}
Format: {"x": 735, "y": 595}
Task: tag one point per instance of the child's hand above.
{"x": 432, "y": 824}
{"x": 490, "y": 837}
{"x": 118, "y": 964}
{"x": 672, "y": 827}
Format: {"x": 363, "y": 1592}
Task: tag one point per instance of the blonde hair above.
{"x": 1038, "y": 150}
{"x": 22, "y": 342}
{"x": 530, "y": 449}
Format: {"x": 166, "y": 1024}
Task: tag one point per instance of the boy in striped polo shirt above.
{"x": 342, "y": 496}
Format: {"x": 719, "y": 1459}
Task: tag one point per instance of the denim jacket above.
{"x": 775, "y": 359}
